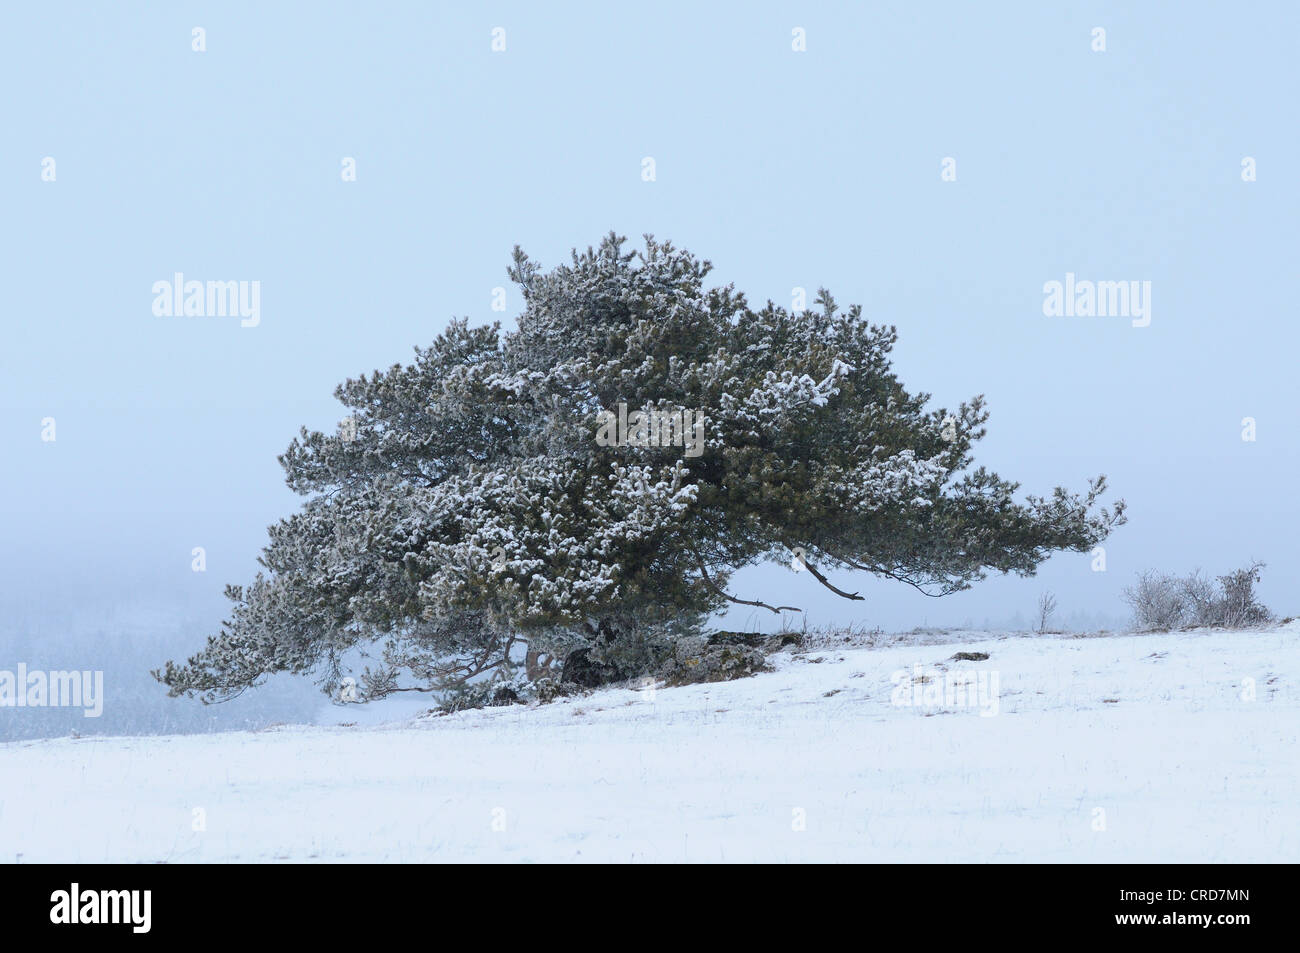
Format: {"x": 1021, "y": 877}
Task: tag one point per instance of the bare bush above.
{"x": 1159, "y": 601}
{"x": 1046, "y": 607}
{"x": 1162, "y": 601}
{"x": 1238, "y": 605}
{"x": 1200, "y": 599}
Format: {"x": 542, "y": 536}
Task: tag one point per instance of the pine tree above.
{"x": 466, "y": 506}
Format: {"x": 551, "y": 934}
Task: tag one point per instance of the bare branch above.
{"x": 827, "y": 583}
{"x": 890, "y": 574}
{"x": 775, "y": 610}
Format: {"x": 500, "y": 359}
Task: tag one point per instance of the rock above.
{"x": 751, "y": 639}
{"x": 582, "y": 670}
{"x": 766, "y": 643}
{"x": 970, "y": 657}
{"x": 697, "y": 660}
{"x": 505, "y": 695}
{"x": 548, "y": 689}
{"x": 717, "y": 657}
{"x": 782, "y": 640}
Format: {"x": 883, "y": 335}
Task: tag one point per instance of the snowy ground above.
{"x": 1180, "y": 747}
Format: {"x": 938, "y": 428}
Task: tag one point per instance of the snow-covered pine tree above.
{"x": 467, "y": 509}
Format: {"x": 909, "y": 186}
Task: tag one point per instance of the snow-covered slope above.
{"x": 1180, "y": 747}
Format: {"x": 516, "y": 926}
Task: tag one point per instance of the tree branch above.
{"x": 775, "y": 610}
{"x": 890, "y": 574}
{"x": 827, "y": 583}
{"x": 819, "y": 577}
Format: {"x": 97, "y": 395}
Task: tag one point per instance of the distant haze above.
{"x": 787, "y": 169}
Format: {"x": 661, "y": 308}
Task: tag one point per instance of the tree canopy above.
{"x": 466, "y": 506}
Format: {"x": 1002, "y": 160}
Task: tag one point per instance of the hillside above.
{"x": 1151, "y": 737}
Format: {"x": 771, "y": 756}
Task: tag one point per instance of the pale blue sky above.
{"x": 784, "y": 168}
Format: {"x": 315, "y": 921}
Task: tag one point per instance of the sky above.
{"x": 786, "y": 167}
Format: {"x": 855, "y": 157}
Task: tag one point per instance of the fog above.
{"x": 786, "y": 169}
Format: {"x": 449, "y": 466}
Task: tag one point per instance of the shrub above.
{"x": 1159, "y": 601}
{"x": 1237, "y": 604}
{"x": 1162, "y": 602}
